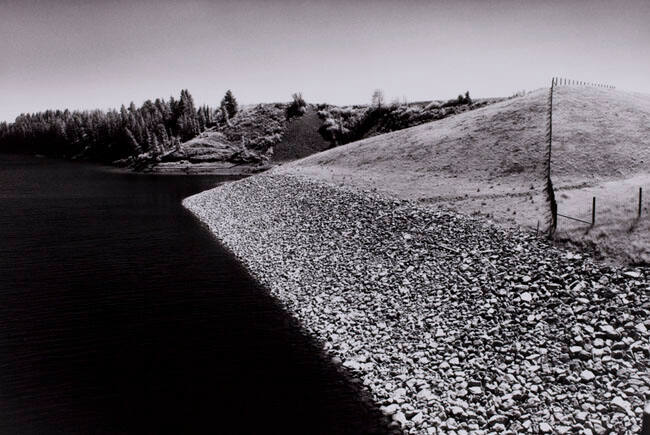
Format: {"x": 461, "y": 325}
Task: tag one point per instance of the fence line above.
{"x": 550, "y": 193}
{"x": 561, "y": 81}
{"x": 634, "y": 206}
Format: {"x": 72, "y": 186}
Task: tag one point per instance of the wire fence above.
{"x": 610, "y": 203}
{"x": 621, "y": 205}
{"x": 561, "y": 81}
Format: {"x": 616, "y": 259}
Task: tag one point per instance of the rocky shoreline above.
{"x": 208, "y": 168}
{"x": 453, "y": 324}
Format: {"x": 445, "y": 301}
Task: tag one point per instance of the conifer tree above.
{"x": 229, "y": 104}
{"x": 134, "y": 145}
{"x": 162, "y": 135}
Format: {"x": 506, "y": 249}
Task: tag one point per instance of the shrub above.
{"x": 297, "y": 107}
{"x": 459, "y": 101}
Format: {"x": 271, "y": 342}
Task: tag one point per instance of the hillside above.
{"x": 601, "y": 149}
{"x": 493, "y": 151}
{"x": 263, "y": 134}
{"x": 599, "y": 134}
{"x": 491, "y": 161}
{"x": 301, "y": 138}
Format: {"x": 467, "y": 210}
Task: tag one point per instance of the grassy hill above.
{"x": 599, "y": 134}
{"x": 491, "y": 161}
{"x": 498, "y": 149}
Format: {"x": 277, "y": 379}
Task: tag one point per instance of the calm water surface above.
{"x": 120, "y": 314}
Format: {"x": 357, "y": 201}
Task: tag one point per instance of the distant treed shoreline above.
{"x": 154, "y": 127}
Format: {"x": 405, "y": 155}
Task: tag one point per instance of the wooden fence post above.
{"x": 593, "y": 211}
{"x": 550, "y": 195}
{"x": 640, "y": 200}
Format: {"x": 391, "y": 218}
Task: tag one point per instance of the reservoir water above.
{"x": 119, "y": 313}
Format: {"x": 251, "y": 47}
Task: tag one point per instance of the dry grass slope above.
{"x": 469, "y": 162}
{"x": 599, "y": 134}
{"x": 491, "y": 160}
{"x": 601, "y": 149}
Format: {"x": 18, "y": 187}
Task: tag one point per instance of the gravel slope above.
{"x": 451, "y": 323}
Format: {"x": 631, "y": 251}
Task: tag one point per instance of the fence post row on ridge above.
{"x": 560, "y": 81}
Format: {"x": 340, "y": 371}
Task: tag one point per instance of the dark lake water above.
{"x": 119, "y": 313}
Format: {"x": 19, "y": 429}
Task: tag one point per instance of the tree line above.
{"x": 154, "y": 127}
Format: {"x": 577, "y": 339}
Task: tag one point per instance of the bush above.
{"x": 297, "y": 107}
{"x": 459, "y": 101}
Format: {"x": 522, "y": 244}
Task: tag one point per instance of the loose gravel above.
{"x": 452, "y": 323}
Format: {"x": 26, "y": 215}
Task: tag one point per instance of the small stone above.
{"x": 610, "y": 331}
{"x": 352, "y": 364}
{"x": 390, "y": 409}
{"x": 418, "y": 418}
{"x": 425, "y": 395}
{"x": 598, "y": 342}
{"x": 440, "y": 333}
{"x": 578, "y": 286}
{"x": 622, "y": 404}
{"x": 581, "y": 416}
{"x": 497, "y": 419}
{"x": 579, "y": 353}
{"x": 475, "y": 390}
{"x": 400, "y": 418}
{"x": 457, "y": 411}
{"x": 598, "y": 352}
{"x": 632, "y": 274}
{"x": 526, "y": 297}
{"x": 587, "y": 375}
{"x": 641, "y": 328}
{"x": 545, "y": 428}
{"x": 451, "y": 424}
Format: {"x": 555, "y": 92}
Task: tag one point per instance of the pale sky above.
{"x": 101, "y": 54}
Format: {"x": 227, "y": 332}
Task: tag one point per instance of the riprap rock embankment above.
{"x": 451, "y": 322}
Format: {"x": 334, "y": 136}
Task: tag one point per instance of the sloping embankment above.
{"x": 451, "y": 323}
{"x": 492, "y": 161}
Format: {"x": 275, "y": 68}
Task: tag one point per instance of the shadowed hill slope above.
{"x": 301, "y": 138}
